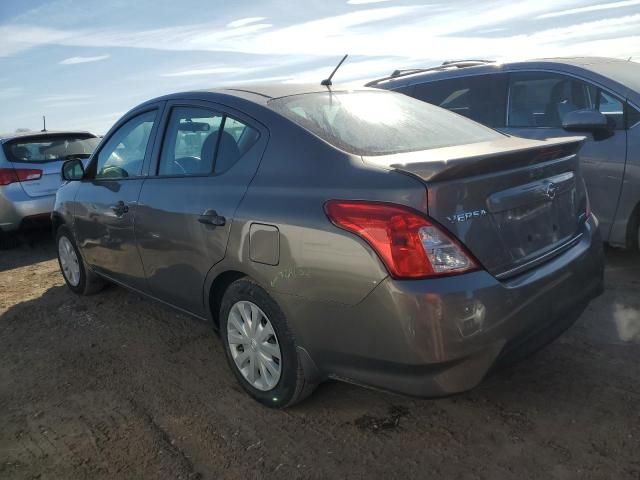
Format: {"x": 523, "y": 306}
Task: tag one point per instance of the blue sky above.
{"x": 84, "y": 63}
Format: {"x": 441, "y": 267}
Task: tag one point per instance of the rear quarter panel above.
{"x": 317, "y": 260}
{"x": 629, "y": 203}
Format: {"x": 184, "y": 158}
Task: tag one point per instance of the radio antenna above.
{"x": 44, "y": 123}
{"x": 327, "y": 81}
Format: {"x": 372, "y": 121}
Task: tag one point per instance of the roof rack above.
{"x": 444, "y": 66}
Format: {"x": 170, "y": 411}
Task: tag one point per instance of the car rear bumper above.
{"x": 436, "y": 337}
{"x": 18, "y": 210}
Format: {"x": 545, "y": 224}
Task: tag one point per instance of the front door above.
{"x": 186, "y": 210}
{"x": 107, "y": 201}
{"x": 537, "y": 103}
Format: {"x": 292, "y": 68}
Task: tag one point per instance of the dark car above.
{"x": 597, "y": 97}
{"x": 329, "y": 233}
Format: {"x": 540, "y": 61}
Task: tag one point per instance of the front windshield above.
{"x": 379, "y": 123}
{"x": 50, "y": 148}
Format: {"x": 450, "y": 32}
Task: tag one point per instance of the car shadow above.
{"x": 35, "y": 246}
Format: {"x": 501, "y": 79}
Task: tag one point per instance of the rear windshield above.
{"x": 50, "y": 148}
{"x": 379, "y": 123}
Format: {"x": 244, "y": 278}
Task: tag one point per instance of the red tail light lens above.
{"x": 408, "y": 244}
{"x": 12, "y": 175}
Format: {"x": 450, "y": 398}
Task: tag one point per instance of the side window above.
{"x": 236, "y": 139}
{"x": 478, "y": 97}
{"x": 200, "y": 141}
{"x": 124, "y": 153}
{"x": 190, "y": 141}
{"x": 633, "y": 116}
{"x": 540, "y": 99}
{"x": 612, "y": 108}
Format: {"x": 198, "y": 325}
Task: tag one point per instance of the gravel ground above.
{"x": 116, "y": 386}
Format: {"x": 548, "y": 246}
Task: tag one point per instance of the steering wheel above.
{"x": 113, "y": 171}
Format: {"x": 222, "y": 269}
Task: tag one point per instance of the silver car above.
{"x": 360, "y": 235}
{"x": 30, "y": 165}
{"x": 545, "y": 98}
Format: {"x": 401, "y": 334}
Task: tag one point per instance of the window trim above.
{"x": 597, "y": 85}
{"x": 158, "y": 108}
{"x": 154, "y": 168}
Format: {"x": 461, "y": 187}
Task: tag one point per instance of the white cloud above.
{"x": 10, "y": 92}
{"x": 18, "y": 38}
{"x": 364, "y": 2}
{"x": 242, "y": 22}
{"x": 76, "y": 60}
{"x": 63, "y": 97}
{"x": 64, "y": 100}
{"x": 217, "y": 70}
{"x": 414, "y": 32}
{"x": 590, "y": 8}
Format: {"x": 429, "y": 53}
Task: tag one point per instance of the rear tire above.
{"x": 78, "y": 277}
{"x": 243, "y": 347}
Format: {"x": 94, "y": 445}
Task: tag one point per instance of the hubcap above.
{"x": 254, "y": 345}
{"x": 69, "y": 261}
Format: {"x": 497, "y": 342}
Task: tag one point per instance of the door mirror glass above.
{"x": 585, "y": 121}
{"x": 72, "y": 170}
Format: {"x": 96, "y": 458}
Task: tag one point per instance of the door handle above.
{"x": 211, "y": 217}
{"x": 120, "y": 208}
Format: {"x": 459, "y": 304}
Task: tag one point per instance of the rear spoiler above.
{"x": 478, "y": 159}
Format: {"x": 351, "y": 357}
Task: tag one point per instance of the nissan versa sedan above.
{"x": 30, "y": 165}
{"x": 359, "y": 235}
{"x": 596, "y": 97}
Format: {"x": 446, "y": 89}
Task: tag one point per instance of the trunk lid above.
{"x": 47, "y": 184}
{"x": 512, "y": 202}
{"x": 46, "y": 152}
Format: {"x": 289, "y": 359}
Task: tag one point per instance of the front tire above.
{"x": 80, "y": 279}
{"x": 259, "y": 346}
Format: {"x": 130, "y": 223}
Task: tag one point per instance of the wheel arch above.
{"x": 633, "y": 228}
{"x": 217, "y": 289}
{"x": 57, "y": 220}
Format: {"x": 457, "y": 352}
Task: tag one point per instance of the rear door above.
{"x": 208, "y": 156}
{"x": 107, "y": 199}
{"x": 47, "y": 153}
{"x": 537, "y": 102}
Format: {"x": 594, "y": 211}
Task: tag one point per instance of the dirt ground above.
{"x": 116, "y": 386}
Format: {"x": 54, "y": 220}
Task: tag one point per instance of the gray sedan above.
{"x": 328, "y": 233}
{"x": 597, "y": 97}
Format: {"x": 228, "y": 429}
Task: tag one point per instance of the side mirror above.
{"x": 585, "y": 121}
{"x": 72, "y": 170}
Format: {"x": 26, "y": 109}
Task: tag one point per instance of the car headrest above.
{"x": 228, "y": 151}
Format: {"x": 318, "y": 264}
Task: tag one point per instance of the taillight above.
{"x": 12, "y": 175}
{"x": 409, "y": 244}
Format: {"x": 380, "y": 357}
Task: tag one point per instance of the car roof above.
{"x": 625, "y": 73}
{"x": 278, "y": 90}
{"x": 260, "y": 93}
{"x": 4, "y": 137}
